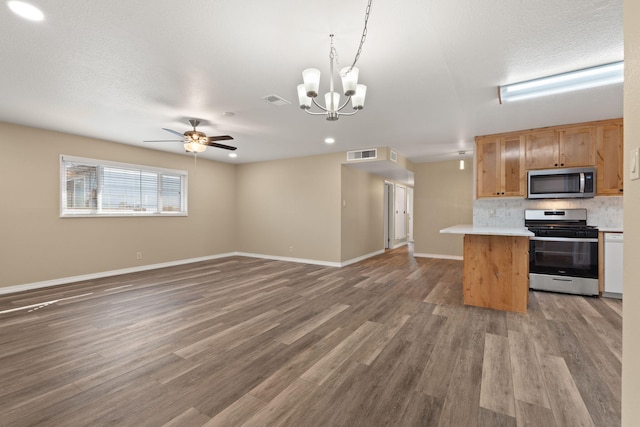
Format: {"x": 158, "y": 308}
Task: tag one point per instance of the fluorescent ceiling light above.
{"x": 26, "y": 10}
{"x": 587, "y": 78}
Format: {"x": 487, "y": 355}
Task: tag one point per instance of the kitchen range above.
{"x": 563, "y": 253}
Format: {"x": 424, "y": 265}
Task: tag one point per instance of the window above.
{"x": 95, "y": 187}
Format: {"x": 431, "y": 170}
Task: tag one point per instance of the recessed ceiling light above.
{"x": 329, "y": 140}
{"x": 26, "y": 10}
{"x": 233, "y": 155}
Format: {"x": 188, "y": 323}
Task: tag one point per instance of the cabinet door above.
{"x": 541, "y": 150}
{"x": 513, "y": 171}
{"x": 610, "y": 160}
{"x": 487, "y": 167}
{"x": 577, "y": 146}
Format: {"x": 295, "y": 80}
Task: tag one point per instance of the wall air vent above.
{"x": 276, "y": 100}
{"x": 393, "y": 156}
{"x": 362, "y": 154}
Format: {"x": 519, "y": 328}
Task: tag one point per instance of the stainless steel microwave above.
{"x": 567, "y": 183}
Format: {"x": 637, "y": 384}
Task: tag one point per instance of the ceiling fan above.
{"x": 196, "y": 141}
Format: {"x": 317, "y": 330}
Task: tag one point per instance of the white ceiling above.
{"x": 122, "y": 70}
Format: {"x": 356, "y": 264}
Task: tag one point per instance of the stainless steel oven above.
{"x": 563, "y": 254}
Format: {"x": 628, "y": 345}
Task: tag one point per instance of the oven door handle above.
{"x": 565, "y": 239}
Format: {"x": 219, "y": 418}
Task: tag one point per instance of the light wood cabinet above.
{"x": 495, "y": 272}
{"x": 502, "y": 160}
{"x": 561, "y": 148}
{"x": 609, "y": 159}
{"x": 541, "y": 150}
{"x": 577, "y": 146}
{"x": 500, "y": 166}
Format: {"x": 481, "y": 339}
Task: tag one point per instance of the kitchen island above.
{"x": 495, "y": 266}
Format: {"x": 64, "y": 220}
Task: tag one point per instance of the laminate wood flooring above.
{"x": 242, "y": 341}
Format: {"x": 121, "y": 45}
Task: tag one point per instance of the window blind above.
{"x": 93, "y": 187}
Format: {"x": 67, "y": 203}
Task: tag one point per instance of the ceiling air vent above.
{"x": 393, "y": 156}
{"x": 362, "y": 154}
{"x": 276, "y": 100}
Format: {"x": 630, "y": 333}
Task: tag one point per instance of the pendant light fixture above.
{"x": 308, "y": 91}
{"x": 462, "y": 153}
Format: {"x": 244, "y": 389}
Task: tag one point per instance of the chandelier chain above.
{"x": 364, "y": 34}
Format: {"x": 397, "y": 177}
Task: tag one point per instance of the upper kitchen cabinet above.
{"x": 577, "y": 146}
{"x": 502, "y": 160}
{"x": 500, "y": 166}
{"x": 609, "y": 158}
{"x": 561, "y": 148}
{"x": 542, "y": 150}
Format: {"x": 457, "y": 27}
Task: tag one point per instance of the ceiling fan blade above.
{"x": 224, "y": 147}
{"x": 220, "y": 138}
{"x": 165, "y": 140}
{"x": 174, "y": 132}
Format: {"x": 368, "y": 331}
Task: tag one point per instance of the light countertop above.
{"x": 490, "y": 231}
{"x": 610, "y": 229}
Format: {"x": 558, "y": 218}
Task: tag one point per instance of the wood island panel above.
{"x": 496, "y": 272}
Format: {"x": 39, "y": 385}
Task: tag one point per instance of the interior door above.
{"x": 401, "y": 212}
{"x": 410, "y": 213}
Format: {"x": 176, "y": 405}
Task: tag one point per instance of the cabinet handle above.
{"x": 556, "y": 164}
{"x": 621, "y": 190}
{"x": 561, "y": 164}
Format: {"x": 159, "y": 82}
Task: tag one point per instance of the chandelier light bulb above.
{"x": 303, "y": 99}
{"x": 26, "y": 10}
{"x": 349, "y": 77}
{"x": 311, "y": 79}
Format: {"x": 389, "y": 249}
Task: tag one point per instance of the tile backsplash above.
{"x": 605, "y": 212}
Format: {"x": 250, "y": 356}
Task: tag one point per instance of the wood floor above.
{"x": 242, "y": 341}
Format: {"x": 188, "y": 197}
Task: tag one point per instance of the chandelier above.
{"x": 308, "y": 91}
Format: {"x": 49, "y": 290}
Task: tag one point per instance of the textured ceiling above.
{"x": 122, "y": 70}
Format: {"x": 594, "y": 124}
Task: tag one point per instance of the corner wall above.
{"x": 631, "y": 306}
{"x": 443, "y": 196}
{"x": 38, "y": 245}
{"x": 362, "y": 221}
{"x": 290, "y": 208}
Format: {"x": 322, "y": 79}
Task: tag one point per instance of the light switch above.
{"x": 634, "y": 167}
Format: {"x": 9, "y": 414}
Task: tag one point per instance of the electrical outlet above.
{"x": 138, "y": 255}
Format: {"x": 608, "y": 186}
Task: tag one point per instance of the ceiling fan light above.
{"x": 194, "y": 147}
{"x": 357, "y": 100}
{"x": 303, "y": 99}
{"x": 349, "y": 76}
{"x": 332, "y": 101}
{"x": 311, "y": 79}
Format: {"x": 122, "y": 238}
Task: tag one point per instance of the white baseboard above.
{"x": 100, "y": 275}
{"x": 439, "y": 256}
{"x": 361, "y": 258}
{"x": 290, "y": 259}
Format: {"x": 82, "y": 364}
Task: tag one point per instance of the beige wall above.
{"x": 631, "y": 310}
{"x": 443, "y": 196}
{"x": 38, "y": 245}
{"x": 291, "y": 208}
{"x": 362, "y": 213}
